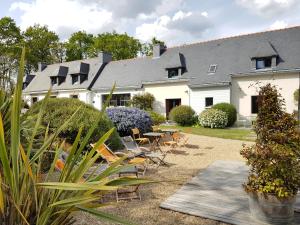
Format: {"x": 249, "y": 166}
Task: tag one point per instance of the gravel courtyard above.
{"x": 184, "y": 164}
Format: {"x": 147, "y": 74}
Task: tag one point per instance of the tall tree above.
{"x": 78, "y": 46}
{"x": 121, "y": 46}
{"x": 10, "y": 43}
{"x": 40, "y": 44}
{"x": 147, "y": 48}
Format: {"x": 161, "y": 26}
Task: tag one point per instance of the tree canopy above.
{"x": 44, "y": 45}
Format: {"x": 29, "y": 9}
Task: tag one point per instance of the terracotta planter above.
{"x": 270, "y": 209}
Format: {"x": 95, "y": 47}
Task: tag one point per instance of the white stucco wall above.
{"x": 83, "y": 95}
{"x": 162, "y": 92}
{"x": 242, "y": 91}
{"x": 97, "y": 96}
{"x": 219, "y": 94}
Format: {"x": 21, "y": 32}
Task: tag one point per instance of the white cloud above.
{"x": 278, "y": 24}
{"x": 268, "y": 7}
{"x": 181, "y": 27}
{"x": 65, "y": 16}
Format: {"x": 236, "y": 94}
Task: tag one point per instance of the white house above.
{"x": 199, "y": 74}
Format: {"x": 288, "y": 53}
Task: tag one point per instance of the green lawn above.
{"x": 237, "y": 134}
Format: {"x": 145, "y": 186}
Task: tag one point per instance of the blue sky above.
{"x": 174, "y": 21}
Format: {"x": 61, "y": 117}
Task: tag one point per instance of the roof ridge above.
{"x": 234, "y": 36}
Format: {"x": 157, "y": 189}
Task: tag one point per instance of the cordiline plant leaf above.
{"x": 1, "y": 196}
{"x": 15, "y": 123}
{"x": 77, "y": 200}
{"x": 76, "y": 186}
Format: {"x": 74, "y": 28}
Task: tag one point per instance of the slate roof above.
{"x": 231, "y": 55}
{"x": 42, "y": 81}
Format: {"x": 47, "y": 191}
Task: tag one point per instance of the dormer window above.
{"x": 53, "y": 80}
{"x": 212, "y": 68}
{"x": 263, "y": 63}
{"x": 75, "y": 79}
{"x": 173, "y": 73}
{"x": 83, "y": 77}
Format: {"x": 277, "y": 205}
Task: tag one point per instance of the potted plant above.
{"x": 274, "y": 160}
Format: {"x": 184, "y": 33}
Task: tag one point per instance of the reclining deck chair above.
{"x": 132, "y": 146}
{"x": 121, "y": 193}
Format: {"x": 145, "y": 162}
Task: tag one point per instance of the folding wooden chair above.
{"x": 137, "y": 137}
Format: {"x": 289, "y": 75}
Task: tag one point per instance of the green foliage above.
{"x": 11, "y": 38}
{"x": 213, "y": 118}
{"x": 157, "y": 118}
{"x": 296, "y": 95}
{"x": 59, "y": 109}
{"x": 147, "y": 48}
{"x": 230, "y": 111}
{"x": 79, "y": 45}
{"x": 40, "y": 43}
{"x": 183, "y": 115}
{"x": 275, "y": 158}
{"x": 29, "y": 197}
{"x": 143, "y": 101}
{"x": 121, "y": 46}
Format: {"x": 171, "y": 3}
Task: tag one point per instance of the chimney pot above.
{"x": 158, "y": 50}
{"x": 104, "y": 57}
{"x": 41, "y": 66}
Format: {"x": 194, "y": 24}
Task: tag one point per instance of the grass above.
{"x": 236, "y": 134}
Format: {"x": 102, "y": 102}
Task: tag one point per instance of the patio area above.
{"x": 185, "y": 163}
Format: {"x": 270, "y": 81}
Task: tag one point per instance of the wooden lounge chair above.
{"x": 110, "y": 157}
{"x": 137, "y": 137}
{"x": 132, "y": 146}
{"x": 131, "y": 192}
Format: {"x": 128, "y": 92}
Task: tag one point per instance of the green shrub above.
{"x": 229, "y": 109}
{"x": 274, "y": 158}
{"x": 183, "y": 115}
{"x": 296, "y": 95}
{"x": 143, "y": 101}
{"x": 60, "y": 109}
{"x": 156, "y": 118}
{"x": 213, "y": 118}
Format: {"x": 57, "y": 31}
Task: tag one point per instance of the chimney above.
{"x": 158, "y": 50}
{"x": 41, "y": 66}
{"x": 104, "y": 57}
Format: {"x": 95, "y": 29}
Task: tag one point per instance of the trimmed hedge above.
{"x": 58, "y": 110}
{"x": 213, "y": 118}
{"x": 156, "y": 118}
{"x": 229, "y": 109}
{"x": 183, "y": 115}
{"x": 127, "y": 118}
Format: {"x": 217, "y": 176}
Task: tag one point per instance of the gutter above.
{"x": 165, "y": 81}
{"x": 265, "y": 72}
{"x": 207, "y": 85}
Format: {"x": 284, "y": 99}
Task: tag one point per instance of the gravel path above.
{"x": 185, "y": 163}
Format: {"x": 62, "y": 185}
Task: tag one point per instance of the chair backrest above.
{"x": 59, "y": 164}
{"x": 155, "y": 128}
{"x": 107, "y": 154}
{"x": 135, "y": 132}
{"x": 129, "y": 143}
{"x": 176, "y": 136}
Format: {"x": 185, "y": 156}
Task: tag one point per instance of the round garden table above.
{"x": 156, "y": 136}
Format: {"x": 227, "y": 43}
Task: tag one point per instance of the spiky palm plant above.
{"x": 26, "y": 197}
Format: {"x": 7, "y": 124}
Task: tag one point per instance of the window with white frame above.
{"x": 209, "y": 101}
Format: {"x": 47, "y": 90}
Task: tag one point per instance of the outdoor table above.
{"x": 156, "y": 138}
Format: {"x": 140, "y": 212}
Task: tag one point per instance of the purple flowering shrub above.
{"x": 127, "y": 118}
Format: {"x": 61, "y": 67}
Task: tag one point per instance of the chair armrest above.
{"x": 145, "y": 149}
{"x": 120, "y": 154}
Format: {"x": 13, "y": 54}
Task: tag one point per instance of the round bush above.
{"x": 213, "y": 118}
{"x": 156, "y": 118}
{"x": 127, "y": 118}
{"x": 229, "y": 109}
{"x": 58, "y": 110}
{"x": 183, "y": 115}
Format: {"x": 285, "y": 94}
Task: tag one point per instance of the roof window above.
{"x": 212, "y": 68}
